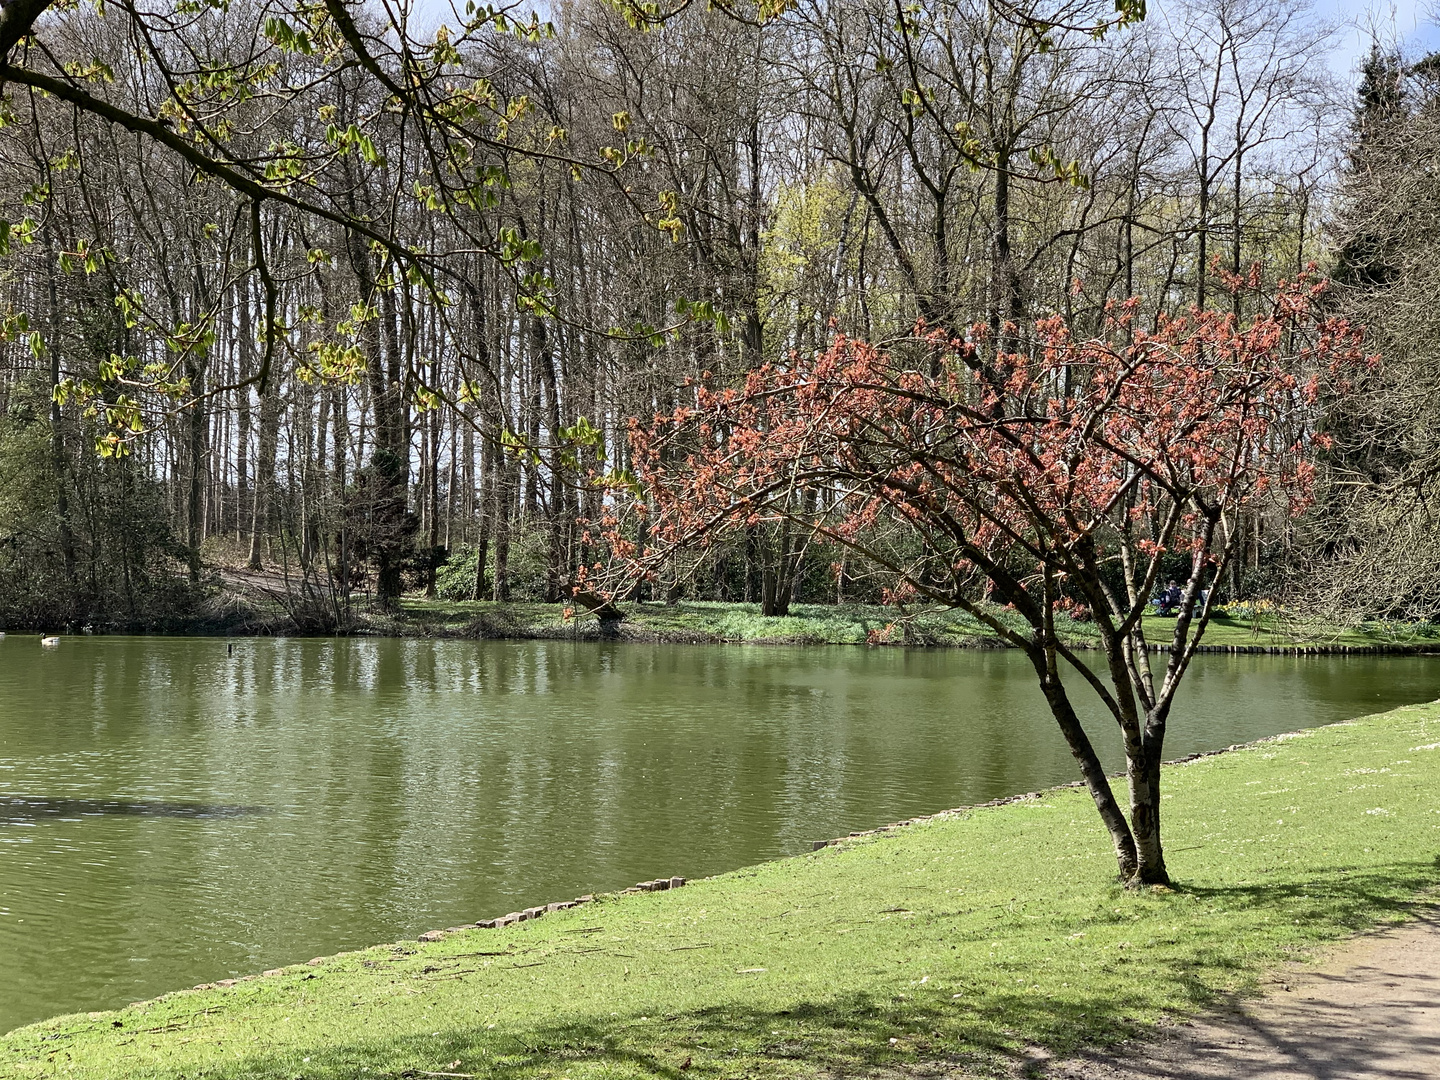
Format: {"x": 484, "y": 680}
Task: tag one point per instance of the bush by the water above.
{"x": 110, "y": 563}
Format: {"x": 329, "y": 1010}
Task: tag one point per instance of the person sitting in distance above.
{"x": 1167, "y": 604}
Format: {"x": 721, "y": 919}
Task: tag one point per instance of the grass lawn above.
{"x": 966, "y": 937}
{"x": 845, "y": 624}
{"x": 702, "y": 620}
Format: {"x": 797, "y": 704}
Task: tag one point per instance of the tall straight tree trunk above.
{"x": 59, "y": 461}
{"x": 544, "y": 359}
{"x": 339, "y": 495}
{"x": 197, "y": 428}
{"x": 245, "y": 335}
{"x": 450, "y": 483}
{"x": 1203, "y": 214}
{"x": 487, "y": 502}
{"x": 265, "y": 469}
{"x": 194, "y": 518}
{"x": 1006, "y": 304}
{"x": 489, "y": 408}
{"x": 753, "y": 335}
{"x": 469, "y": 504}
{"x": 389, "y": 461}
{"x": 433, "y": 434}
{"x": 1237, "y": 248}
{"x": 507, "y": 475}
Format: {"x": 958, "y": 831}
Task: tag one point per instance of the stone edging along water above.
{"x": 527, "y": 915}
{"x": 648, "y": 636}
{"x": 1429, "y": 649}
{"x": 663, "y": 884}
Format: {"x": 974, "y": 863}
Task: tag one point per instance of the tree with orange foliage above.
{"x": 1045, "y": 475}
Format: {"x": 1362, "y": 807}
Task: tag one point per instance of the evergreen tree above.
{"x": 1365, "y": 254}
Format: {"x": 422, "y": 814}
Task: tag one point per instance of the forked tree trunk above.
{"x": 1127, "y": 855}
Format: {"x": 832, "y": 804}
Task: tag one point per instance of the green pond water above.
{"x": 171, "y": 814}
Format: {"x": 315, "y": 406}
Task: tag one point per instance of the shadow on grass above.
{"x": 860, "y": 1031}
{"x": 1374, "y": 1018}
{"x": 1348, "y": 898}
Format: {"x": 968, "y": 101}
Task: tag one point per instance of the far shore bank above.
{"x": 713, "y": 623}
{"x": 252, "y": 610}
{"x": 965, "y": 940}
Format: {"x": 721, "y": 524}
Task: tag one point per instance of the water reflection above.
{"x": 24, "y": 811}
{"x": 189, "y": 815}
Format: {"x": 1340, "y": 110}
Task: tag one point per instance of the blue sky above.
{"x": 1409, "y": 23}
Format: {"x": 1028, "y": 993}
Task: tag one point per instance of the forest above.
{"x": 366, "y": 303}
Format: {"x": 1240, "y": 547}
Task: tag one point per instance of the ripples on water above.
{"x": 170, "y": 814}
{"x": 28, "y": 811}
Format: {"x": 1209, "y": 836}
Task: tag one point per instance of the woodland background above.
{"x": 410, "y": 389}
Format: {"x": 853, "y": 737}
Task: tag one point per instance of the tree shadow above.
{"x": 1352, "y": 897}
{"x": 861, "y": 1031}
{"x": 1369, "y": 1020}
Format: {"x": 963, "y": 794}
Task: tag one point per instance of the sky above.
{"x": 1412, "y": 24}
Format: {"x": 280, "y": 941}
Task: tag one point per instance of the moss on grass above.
{"x": 963, "y": 938}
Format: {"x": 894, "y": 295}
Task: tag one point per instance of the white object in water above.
{"x": 49, "y": 641}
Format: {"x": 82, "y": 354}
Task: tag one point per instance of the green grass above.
{"x": 695, "y": 620}
{"x": 845, "y": 624}
{"x": 962, "y": 938}
{"x": 1291, "y": 629}
{"x": 831, "y": 624}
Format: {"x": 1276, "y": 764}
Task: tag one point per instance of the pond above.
{"x": 171, "y": 813}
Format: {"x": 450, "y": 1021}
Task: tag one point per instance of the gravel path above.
{"x": 1371, "y": 1012}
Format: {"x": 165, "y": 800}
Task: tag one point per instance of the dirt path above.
{"x": 1371, "y": 1012}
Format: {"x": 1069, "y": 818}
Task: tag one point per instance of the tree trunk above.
{"x": 389, "y": 461}
{"x": 432, "y": 496}
{"x": 245, "y": 335}
{"x": 482, "y": 532}
{"x": 556, "y": 564}
{"x": 1203, "y": 215}
{"x": 195, "y": 501}
{"x": 1142, "y": 772}
{"x": 1006, "y": 304}
{"x": 506, "y": 474}
{"x": 265, "y": 468}
{"x": 340, "y": 451}
{"x": 1237, "y": 248}
{"x": 59, "y": 461}
{"x": 1091, "y": 771}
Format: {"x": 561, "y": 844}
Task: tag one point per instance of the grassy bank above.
{"x": 251, "y": 603}
{"x": 845, "y": 624}
{"x": 967, "y": 937}
{"x": 694, "y": 621}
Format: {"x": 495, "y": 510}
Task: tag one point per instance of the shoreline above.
{"x": 961, "y": 939}
{"x": 920, "y": 830}
{"x": 714, "y": 623}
